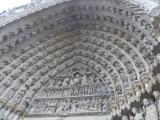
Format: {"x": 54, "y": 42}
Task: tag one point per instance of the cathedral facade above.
{"x": 80, "y": 59}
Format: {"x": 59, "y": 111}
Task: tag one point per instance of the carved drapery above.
{"x": 112, "y": 41}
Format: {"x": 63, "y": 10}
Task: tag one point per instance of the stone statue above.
{"x": 84, "y": 80}
{"x": 131, "y": 117}
{"x": 65, "y": 82}
{"x": 138, "y": 93}
{"x": 151, "y": 110}
{"x": 77, "y": 79}
{"x": 156, "y": 94}
{"x": 124, "y": 117}
{"x": 91, "y": 78}
{"x": 138, "y": 115}
{"x": 119, "y": 113}
{"x": 15, "y": 64}
{"x": 113, "y": 112}
{"x": 148, "y": 85}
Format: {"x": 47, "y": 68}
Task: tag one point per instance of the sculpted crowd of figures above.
{"x": 70, "y": 106}
{"x": 74, "y": 94}
{"x": 79, "y": 85}
{"x": 111, "y": 44}
{"x": 150, "y": 109}
{"x": 116, "y": 44}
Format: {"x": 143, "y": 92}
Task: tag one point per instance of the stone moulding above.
{"x": 19, "y": 12}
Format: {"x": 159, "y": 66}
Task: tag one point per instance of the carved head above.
{"x": 134, "y": 110}
{"x": 121, "y": 102}
{"x": 131, "y": 118}
{"x": 77, "y": 74}
{"x": 124, "y": 117}
{"x": 146, "y": 102}
{"x": 156, "y": 94}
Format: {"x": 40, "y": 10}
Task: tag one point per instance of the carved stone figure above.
{"x": 138, "y": 115}
{"x": 77, "y": 79}
{"x": 83, "y": 86}
{"x": 18, "y": 97}
{"x": 138, "y": 93}
{"x": 151, "y": 112}
{"x": 65, "y": 82}
{"x": 124, "y": 117}
{"x": 148, "y": 86}
{"x": 4, "y": 86}
{"x": 156, "y": 94}
{"x": 131, "y": 117}
{"x": 113, "y": 111}
{"x": 84, "y": 80}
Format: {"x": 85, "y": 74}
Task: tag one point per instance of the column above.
{"x": 6, "y": 112}
{"x": 17, "y": 116}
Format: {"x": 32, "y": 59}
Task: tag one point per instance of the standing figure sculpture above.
{"x": 84, "y": 80}
{"x": 124, "y": 117}
{"x": 65, "y": 82}
{"x": 138, "y": 114}
{"x": 156, "y": 94}
{"x": 151, "y": 110}
{"x": 131, "y": 117}
{"x": 77, "y": 78}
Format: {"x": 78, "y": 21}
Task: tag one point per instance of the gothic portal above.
{"x": 80, "y": 59}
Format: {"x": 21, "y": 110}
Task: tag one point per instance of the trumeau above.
{"x": 80, "y": 58}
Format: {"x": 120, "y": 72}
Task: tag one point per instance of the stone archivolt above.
{"x": 112, "y": 42}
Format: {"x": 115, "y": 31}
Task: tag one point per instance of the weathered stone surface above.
{"x": 80, "y": 57}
